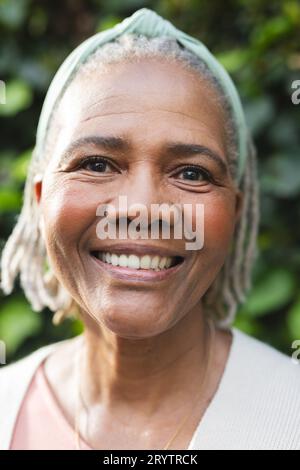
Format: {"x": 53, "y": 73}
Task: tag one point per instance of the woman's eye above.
{"x": 193, "y": 174}
{"x": 97, "y": 164}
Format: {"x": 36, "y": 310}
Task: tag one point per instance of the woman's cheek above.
{"x": 67, "y": 212}
{"x": 218, "y": 224}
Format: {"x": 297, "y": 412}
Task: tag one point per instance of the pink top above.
{"x": 41, "y": 424}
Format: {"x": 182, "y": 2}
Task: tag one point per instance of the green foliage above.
{"x": 18, "y": 97}
{"x": 273, "y": 292}
{"x": 293, "y": 319}
{"x": 258, "y": 42}
{"x": 17, "y": 322}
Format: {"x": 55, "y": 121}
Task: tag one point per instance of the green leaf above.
{"x": 247, "y": 325}
{"x": 270, "y": 31}
{"x": 12, "y": 14}
{"x": 18, "y": 98}
{"x": 77, "y": 327}
{"x": 20, "y": 165}
{"x": 10, "y": 200}
{"x": 17, "y": 322}
{"x": 233, "y": 60}
{"x": 281, "y": 175}
{"x": 107, "y": 22}
{"x": 274, "y": 291}
{"x": 259, "y": 113}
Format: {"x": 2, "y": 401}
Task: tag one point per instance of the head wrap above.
{"x": 148, "y": 23}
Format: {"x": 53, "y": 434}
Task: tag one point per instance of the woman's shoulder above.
{"x": 26, "y": 366}
{"x": 261, "y": 396}
{"x": 263, "y": 360}
{"x": 257, "y": 404}
{"x": 14, "y": 382}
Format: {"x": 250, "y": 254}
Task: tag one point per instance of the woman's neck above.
{"x": 119, "y": 371}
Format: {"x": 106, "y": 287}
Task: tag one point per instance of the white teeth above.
{"x": 133, "y": 262}
{"x": 162, "y": 262}
{"x": 123, "y": 261}
{"x": 156, "y": 263}
{"x": 114, "y": 260}
{"x": 145, "y": 262}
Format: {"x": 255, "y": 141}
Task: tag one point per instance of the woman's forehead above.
{"x": 146, "y": 84}
{"x": 128, "y": 99}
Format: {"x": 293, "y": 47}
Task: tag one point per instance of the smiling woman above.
{"x": 144, "y": 112}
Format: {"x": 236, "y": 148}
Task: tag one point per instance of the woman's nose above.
{"x": 143, "y": 195}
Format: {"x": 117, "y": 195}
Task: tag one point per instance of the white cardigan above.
{"x": 256, "y": 407}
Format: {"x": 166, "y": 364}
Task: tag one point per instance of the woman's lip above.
{"x": 137, "y": 249}
{"x": 137, "y": 275}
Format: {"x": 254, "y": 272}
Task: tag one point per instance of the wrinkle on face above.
{"x": 183, "y": 106}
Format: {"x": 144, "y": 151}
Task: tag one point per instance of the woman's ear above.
{"x": 38, "y": 184}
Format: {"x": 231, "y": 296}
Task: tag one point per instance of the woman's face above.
{"x": 151, "y": 105}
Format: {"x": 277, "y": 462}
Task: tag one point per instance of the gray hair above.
{"x": 25, "y": 251}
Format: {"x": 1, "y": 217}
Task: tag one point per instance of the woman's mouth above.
{"x": 156, "y": 263}
{"x": 138, "y": 267}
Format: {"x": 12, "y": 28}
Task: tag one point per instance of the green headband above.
{"x": 150, "y": 24}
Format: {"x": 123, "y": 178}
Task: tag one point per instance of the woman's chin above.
{"x": 132, "y": 323}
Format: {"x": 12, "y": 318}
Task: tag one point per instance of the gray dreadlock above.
{"x": 25, "y": 251}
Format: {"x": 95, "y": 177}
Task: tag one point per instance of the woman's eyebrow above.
{"x": 115, "y": 142}
{"x": 107, "y": 142}
{"x": 184, "y": 149}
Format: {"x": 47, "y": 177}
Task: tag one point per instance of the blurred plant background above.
{"x": 259, "y": 44}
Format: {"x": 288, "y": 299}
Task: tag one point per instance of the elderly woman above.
{"x": 145, "y": 112}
